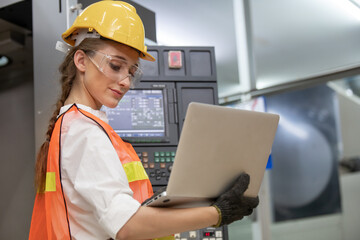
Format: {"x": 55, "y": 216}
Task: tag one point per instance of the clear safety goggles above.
{"x": 115, "y": 68}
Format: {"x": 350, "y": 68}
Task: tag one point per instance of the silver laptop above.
{"x": 217, "y": 144}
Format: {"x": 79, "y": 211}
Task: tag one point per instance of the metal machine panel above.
{"x": 304, "y": 178}
{"x": 197, "y": 64}
{"x": 191, "y": 78}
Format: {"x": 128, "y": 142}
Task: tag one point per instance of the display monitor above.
{"x": 140, "y": 116}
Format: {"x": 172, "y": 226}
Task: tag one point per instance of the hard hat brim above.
{"x": 66, "y": 37}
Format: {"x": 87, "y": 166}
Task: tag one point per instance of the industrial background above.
{"x": 299, "y": 59}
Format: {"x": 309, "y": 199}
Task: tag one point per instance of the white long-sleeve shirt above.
{"x": 97, "y": 192}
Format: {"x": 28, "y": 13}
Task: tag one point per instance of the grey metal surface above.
{"x": 49, "y": 22}
{"x": 16, "y": 123}
{"x": 305, "y": 152}
{"x": 292, "y": 40}
{"x": 5, "y": 3}
{"x": 304, "y": 178}
{"x": 300, "y": 39}
{"x": 348, "y": 93}
{"x": 17, "y": 160}
{"x": 200, "y": 23}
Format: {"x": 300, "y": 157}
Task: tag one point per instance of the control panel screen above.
{"x": 140, "y": 114}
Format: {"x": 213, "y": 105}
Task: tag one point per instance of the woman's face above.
{"x": 107, "y": 85}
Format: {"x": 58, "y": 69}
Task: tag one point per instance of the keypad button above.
{"x": 162, "y": 154}
{"x": 152, "y": 165}
{"x": 145, "y": 159}
{"x": 192, "y": 234}
{"x": 205, "y": 239}
{"x": 162, "y": 159}
{"x": 172, "y": 159}
{"x": 156, "y": 154}
{"x": 168, "y": 159}
{"x": 162, "y": 165}
{"x": 219, "y": 239}
{"x": 139, "y": 154}
{"x": 157, "y": 159}
{"x": 167, "y": 154}
{"x": 145, "y": 154}
{"x": 173, "y": 154}
{"x": 146, "y": 165}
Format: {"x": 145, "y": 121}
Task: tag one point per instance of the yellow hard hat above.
{"x": 113, "y": 20}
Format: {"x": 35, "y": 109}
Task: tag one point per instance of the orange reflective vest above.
{"x": 50, "y": 218}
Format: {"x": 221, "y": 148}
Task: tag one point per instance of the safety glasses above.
{"x": 115, "y": 67}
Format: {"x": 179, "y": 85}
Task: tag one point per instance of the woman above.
{"x": 90, "y": 183}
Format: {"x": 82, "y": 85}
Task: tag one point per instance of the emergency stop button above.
{"x": 175, "y": 59}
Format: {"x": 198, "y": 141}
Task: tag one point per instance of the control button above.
{"x": 146, "y": 165}
{"x": 162, "y": 159}
{"x": 145, "y": 159}
{"x": 168, "y": 159}
{"x": 205, "y": 239}
{"x": 152, "y": 174}
{"x": 156, "y": 154}
{"x": 209, "y": 234}
{"x": 162, "y": 154}
{"x": 152, "y": 165}
{"x": 212, "y": 239}
{"x": 167, "y": 154}
{"x": 218, "y": 234}
{"x": 158, "y": 177}
{"x": 177, "y": 235}
{"x": 157, "y": 159}
{"x": 170, "y": 168}
{"x": 163, "y": 174}
{"x": 157, "y": 171}
{"x": 145, "y": 154}
{"x": 162, "y": 165}
{"x": 219, "y": 239}
{"x": 192, "y": 234}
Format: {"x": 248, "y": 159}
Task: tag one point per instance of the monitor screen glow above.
{"x": 140, "y": 114}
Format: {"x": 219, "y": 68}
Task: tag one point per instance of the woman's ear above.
{"x": 80, "y": 60}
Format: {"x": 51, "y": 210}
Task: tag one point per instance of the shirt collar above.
{"x": 98, "y": 113}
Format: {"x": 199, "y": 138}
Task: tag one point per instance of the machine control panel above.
{"x": 157, "y": 162}
{"x": 151, "y": 116}
{"x": 203, "y": 234}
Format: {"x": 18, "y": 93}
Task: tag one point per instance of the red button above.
{"x": 175, "y": 60}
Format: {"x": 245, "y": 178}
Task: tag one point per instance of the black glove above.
{"x": 233, "y": 205}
